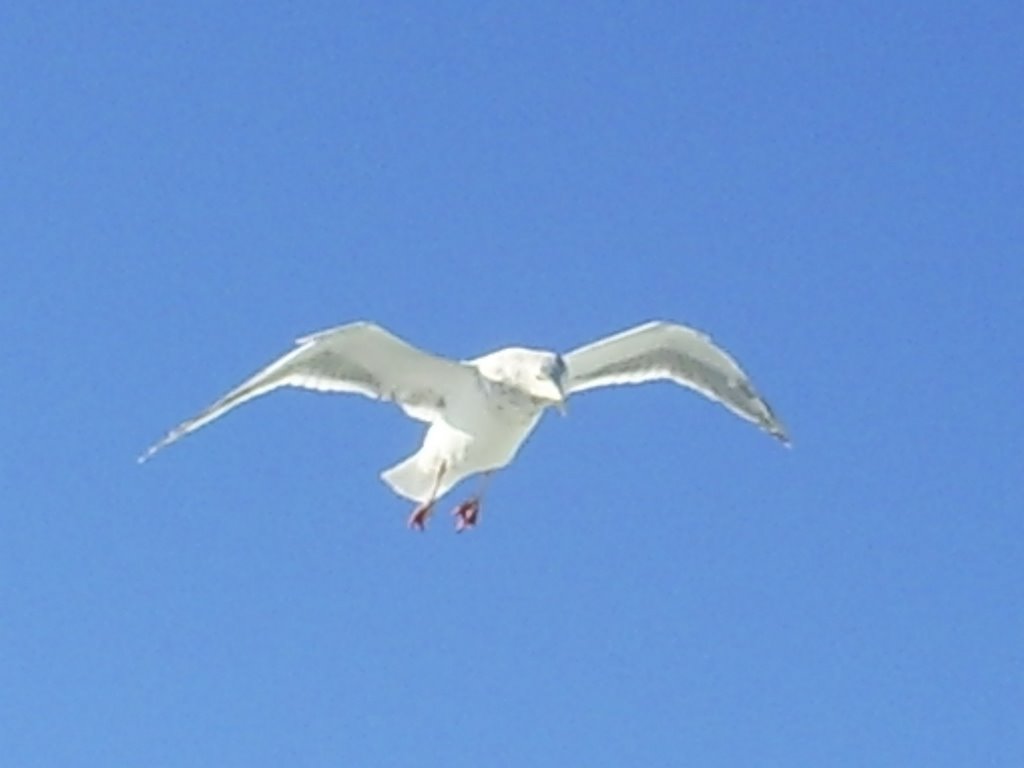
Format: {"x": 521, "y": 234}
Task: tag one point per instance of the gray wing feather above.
{"x": 666, "y": 351}
{"x": 360, "y": 358}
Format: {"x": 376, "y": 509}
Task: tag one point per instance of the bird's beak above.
{"x": 562, "y": 404}
{"x": 551, "y": 390}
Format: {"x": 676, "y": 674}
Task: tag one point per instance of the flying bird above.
{"x": 481, "y": 411}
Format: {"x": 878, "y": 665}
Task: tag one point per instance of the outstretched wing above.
{"x": 660, "y": 351}
{"x": 360, "y": 358}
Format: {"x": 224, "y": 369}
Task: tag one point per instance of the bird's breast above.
{"x": 487, "y": 438}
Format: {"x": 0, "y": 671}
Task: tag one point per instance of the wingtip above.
{"x": 776, "y": 430}
{"x": 146, "y": 455}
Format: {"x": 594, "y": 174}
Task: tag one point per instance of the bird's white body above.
{"x": 488, "y": 441}
{"x": 479, "y": 431}
{"x": 480, "y": 412}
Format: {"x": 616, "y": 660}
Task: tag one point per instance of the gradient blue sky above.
{"x": 833, "y": 190}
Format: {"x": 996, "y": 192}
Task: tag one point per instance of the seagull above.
{"x": 479, "y": 412}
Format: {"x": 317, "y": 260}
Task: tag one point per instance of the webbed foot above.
{"x": 420, "y": 515}
{"x": 466, "y": 514}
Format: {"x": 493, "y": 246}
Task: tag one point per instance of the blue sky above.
{"x": 834, "y": 191}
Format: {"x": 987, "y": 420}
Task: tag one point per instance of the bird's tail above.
{"x": 414, "y": 479}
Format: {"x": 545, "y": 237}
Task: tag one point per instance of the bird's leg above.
{"x": 467, "y": 512}
{"x": 418, "y": 518}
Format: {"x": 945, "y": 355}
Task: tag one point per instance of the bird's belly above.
{"x": 493, "y": 443}
{"x": 497, "y": 447}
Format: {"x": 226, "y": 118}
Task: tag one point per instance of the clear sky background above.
{"x": 832, "y": 190}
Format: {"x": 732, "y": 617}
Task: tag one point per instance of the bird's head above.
{"x": 549, "y": 381}
{"x": 540, "y": 374}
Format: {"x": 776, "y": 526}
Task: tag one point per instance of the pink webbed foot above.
{"x": 419, "y": 516}
{"x": 466, "y": 514}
